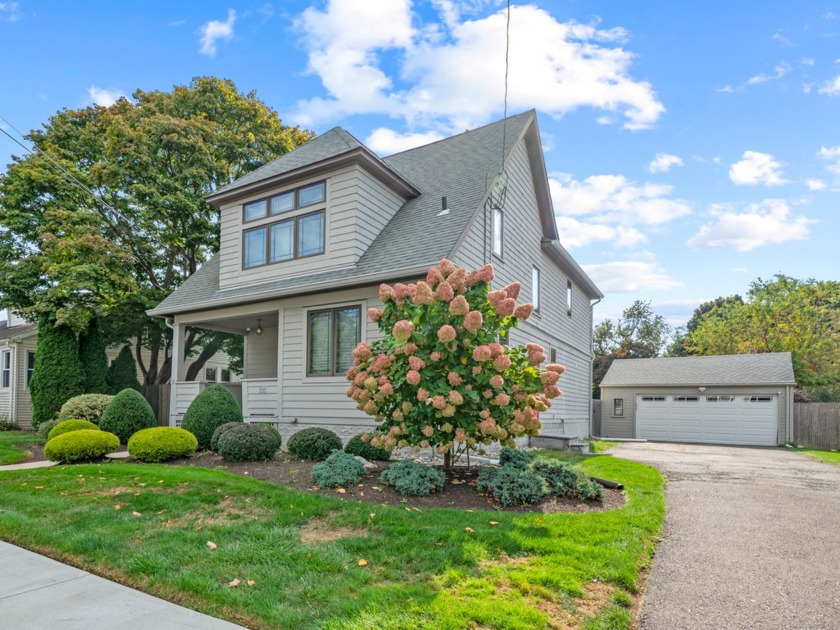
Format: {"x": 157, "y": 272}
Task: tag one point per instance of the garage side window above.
{"x": 618, "y": 407}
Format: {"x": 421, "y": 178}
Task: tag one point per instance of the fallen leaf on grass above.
{"x": 415, "y": 509}
{"x": 137, "y": 514}
{"x": 234, "y": 583}
{"x": 340, "y": 490}
{"x": 362, "y": 562}
{"x": 372, "y": 515}
{"x": 117, "y": 507}
{"x": 469, "y": 530}
{"x": 211, "y": 545}
{"x": 250, "y": 582}
{"x": 39, "y": 487}
{"x": 494, "y": 522}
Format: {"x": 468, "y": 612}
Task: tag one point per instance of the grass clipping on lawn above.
{"x": 232, "y": 547}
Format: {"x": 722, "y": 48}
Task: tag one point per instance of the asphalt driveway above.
{"x": 751, "y": 539}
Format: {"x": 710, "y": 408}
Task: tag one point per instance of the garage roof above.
{"x": 774, "y": 368}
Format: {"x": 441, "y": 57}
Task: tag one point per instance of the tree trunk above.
{"x": 447, "y": 461}
{"x": 206, "y": 354}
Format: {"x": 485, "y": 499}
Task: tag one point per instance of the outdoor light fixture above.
{"x": 702, "y": 389}
{"x": 259, "y": 330}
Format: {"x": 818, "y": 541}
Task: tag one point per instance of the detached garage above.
{"x": 744, "y": 399}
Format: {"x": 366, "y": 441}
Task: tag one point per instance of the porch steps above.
{"x": 560, "y": 442}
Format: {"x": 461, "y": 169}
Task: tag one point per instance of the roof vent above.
{"x": 444, "y": 210}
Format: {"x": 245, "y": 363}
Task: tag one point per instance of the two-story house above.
{"x": 307, "y": 239}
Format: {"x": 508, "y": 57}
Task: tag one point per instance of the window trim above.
{"x": 29, "y": 371}
{"x": 297, "y": 206}
{"x": 569, "y": 298}
{"x": 6, "y": 356}
{"x": 501, "y": 214}
{"x": 334, "y": 336}
{"x": 536, "y": 289}
{"x": 618, "y": 408}
{"x": 295, "y": 239}
{"x": 552, "y": 354}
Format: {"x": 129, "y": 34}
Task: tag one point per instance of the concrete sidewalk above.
{"x": 40, "y": 593}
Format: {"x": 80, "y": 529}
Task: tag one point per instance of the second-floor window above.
{"x": 535, "y": 288}
{"x": 5, "y": 369}
{"x": 569, "y": 298}
{"x": 287, "y": 239}
{"x": 498, "y": 231}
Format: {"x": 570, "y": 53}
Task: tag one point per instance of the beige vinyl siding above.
{"x": 23, "y": 402}
{"x": 357, "y": 208}
{"x": 261, "y": 354}
{"x": 551, "y": 326}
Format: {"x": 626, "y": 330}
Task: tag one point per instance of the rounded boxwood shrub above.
{"x": 339, "y": 469}
{"x": 357, "y": 446}
{"x": 88, "y": 407}
{"x": 45, "y": 427}
{"x": 407, "y": 477}
{"x": 248, "y": 443}
{"x": 71, "y": 425}
{"x": 512, "y": 457}
{"x": 160, "y": 444}
{"x": 314, "y": 444}
{"x": 219, "y": 432}
{"x": 512, "y": 486}
{"x": 81, "y": 445}
{"x": 567, "y": 480}
{"x": 209, "y": 410}
{"x": 127, "y": 414}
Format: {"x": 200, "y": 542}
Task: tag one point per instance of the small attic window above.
{"x": 498, "y": 231}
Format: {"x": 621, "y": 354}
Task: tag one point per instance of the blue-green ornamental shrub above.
{"x": 313, "y": 444}
{"x": 357, "y": 446}
{"x": 248, "y": 443}
{"x": 339, "y": 469}
{"x": 127, "y": 414}
{"x": 411, "y": 478}
{"x": 512, "y": 457}
{"x": 209, "y": 410}
{"x": 88, "y": 407}
{"x": 70, "y": 425}
{"x": 566, "y": 480}
{"x": 512, "y": 486}
{"x": 81, "y": 445}
{"x": 160, "y": 444}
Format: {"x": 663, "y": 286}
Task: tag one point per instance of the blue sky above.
{"x": 691, "y": 146}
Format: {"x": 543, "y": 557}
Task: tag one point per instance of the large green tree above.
{"x": 639, "y": 333}
{"x": 783, "y": 314}
{"x": 712, "y": 308}
{"x": 58, "y": 373}
{"x": 107, "y": 215}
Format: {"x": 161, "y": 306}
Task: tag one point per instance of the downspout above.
{"x": 592, "y": 306}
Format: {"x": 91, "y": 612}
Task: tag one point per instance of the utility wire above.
{"x": 507, "y": 66}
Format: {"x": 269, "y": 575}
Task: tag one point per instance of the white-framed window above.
{"x": 5, "y": 369}
{"x": 552, "y": 353}
{"x": 30, "y": 366}
{"x": 618, "y": 407}
{"x": 653, "y": 398}
{"x": 210, "y": 374}
{"x": 758, "y": 399}
{"x": 535, "y": 288}
{"x": 331, "y": 335}
{"x": 498, "y": 231}
{"x": 722, "y": 399}
{"x": 569, "y": 298}
{"x": 686, "y": 399}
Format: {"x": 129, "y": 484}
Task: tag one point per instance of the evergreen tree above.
{"x": 58, "y": 375}
{"x": 123, "y": 372}
{"x": 94, "y": 360}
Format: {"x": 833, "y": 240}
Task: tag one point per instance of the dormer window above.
{"x": 278, "y": 241}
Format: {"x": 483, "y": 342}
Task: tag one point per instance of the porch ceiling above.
{"x": 241, "y": 324}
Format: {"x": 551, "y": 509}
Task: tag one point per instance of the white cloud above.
{"x": 831, "y": 87}
{"x": 574, "y": 233}
{"x": 662, "y": 163}
{"x": 448, "y": 75}
{"x": 830, "y": 155}
{"x": 9, "y": 11}
{"x": 757, "y": 168}
{"x": 630, "y": 276}
{"x": 815, "y": 184}
{"x": 829, "y": 16}
{"x": 778, "y": 72}
{"x": 770, "y": 221}
{"x": 213, "y": 31}
{"x": 740, "y": 270}
{"x": 726, "y": 89}
{"x": 104, "y": 96}
{"x": 807, "y": 61}
{"x": 387, "y": 141}
{"x": 785, "y": 41}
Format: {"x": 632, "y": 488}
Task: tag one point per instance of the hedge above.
{"x": 160, "y": 444}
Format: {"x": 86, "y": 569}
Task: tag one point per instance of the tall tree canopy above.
{"x": 107, "y": 216}
{"x": 712, "y": 308}
{"x": 638, "y": 334}
{"x": 779, "y": 315}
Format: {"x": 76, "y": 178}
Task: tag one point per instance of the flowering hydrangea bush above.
{"x": 439, "y": 377}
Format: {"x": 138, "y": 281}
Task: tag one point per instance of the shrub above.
{"x": 209, "y": 410}
{"x": 219, "y": 432}
{"x": 339, "y": 469}
{"x": 566, "y": 480}
{"x": 314, "y": 444}
{"x": 123, "y": 372}
{"x": 45, "y": 427}
{"x": 160, "y": 444}
{"x": 88, "y": 407}
{"x": 411, "y": 478}
{"x": 248, "y": 443}
{"x": 127, "y": 414}
{"x": 71, "y": 425}
{"x": 58, "y": 373}
{"x": 518, "y": 459}
{"x": 81, "y": 445}
{"x": 7, "y": 424}
{"x": 512, "y": 486}
{"x": 357, "y": 446}
{"x": 94, "y": 360}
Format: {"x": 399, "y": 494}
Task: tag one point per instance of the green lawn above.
{"x": 9, "y": 439}
{"x": 394, "y": 567}
{"x": 599, "y": 446}
{"x": 829, "y": 457}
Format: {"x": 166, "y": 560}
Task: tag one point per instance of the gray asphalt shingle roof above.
{"x": 775, "y": 368}
{"x": 7, "y": 332}
{"x": 460, "y": 168}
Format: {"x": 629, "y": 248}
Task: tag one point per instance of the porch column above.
{"x": 178, "y": 331}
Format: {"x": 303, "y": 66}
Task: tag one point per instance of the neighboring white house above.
{"x": 18, "y": 340}
{"x": 307, "y": 239}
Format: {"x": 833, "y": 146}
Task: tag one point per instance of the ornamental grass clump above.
{"x": 413, "y": 479}
{"x": 160, "y": 444}
{"x": 439, "y": 378}
{"x": 70, "y": 425}
{"x": 339, "y": 469}
{"x": 357, "y": 446}
{"x": 78, "y": 446}
{"x": 313, "y": 444}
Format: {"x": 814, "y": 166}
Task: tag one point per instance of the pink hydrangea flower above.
{"x": 447, "y": 427}
{"x": 496, "y": 381}
{"x": 422, "y": 395}
{"x": 460, "y": 435}
{"x": 549, "y": 378}
{"x": 552, "y": 391}
{"x": 487, "y": 427}
{"x": 402, "y": 330}
{"x": 446, "y": 267}
{"x": 476, "y": 371}
{"x": 488, "y": 394}
{"x": 434, "y": 277}
{"x": 482, "y": 353}
{"x": 435, "y": 356}
{"x": 446, "y": 333}
{"x": 416, "y": 363}
{"x": 360, "y": 378}
{"x": 513, "y": 289}
{"x": 536, "y": 358}
{"x": 458, "y": 280}
{"x": 556, "y": 368}
{"x": 365, "y": 437}
{"x": 351, "y": 373}
{"x": 485, "y": 274}
{"x": 523, "y": 311}
{"x": 455, "y": 397}
{"x": 506, "y": 307}
{"x": 387, "y": 389}
{"x": 503, "y": 400}
{"x": 370, "y": 408}
{"x": 495, "y": 297}
{"x": 501, "y": 363}
{"x": 484, "y": 414}
{"x": 375, "y": 314}
{"x": 409, "y": 348}
{"x": 448, "y": 411}
{"x": 454, "y": 379}
{"x": 402, "y": 291}
{"x": 459, "y": 306}
{"x": 428, "y": 430}
{"x": 444, "y": 292}
{"x": 412, "y": 377}
{"x": 438, "y": 402}
{"x": 423, "y": 294}
{"x": 496, "y": 349}
{"x": 473, "y": 321}
{"x": 386, "y": 292}
{"x": 362, "y": 352}
{"x": 424, "y": 443}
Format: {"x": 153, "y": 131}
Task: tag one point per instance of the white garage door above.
{"x": 731, "y": 419}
